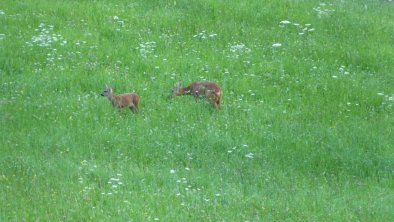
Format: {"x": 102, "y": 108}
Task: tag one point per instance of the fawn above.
{"x": 130, "y": 100}
{"x": 207, "y": 89}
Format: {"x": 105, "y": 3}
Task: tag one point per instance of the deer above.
{"x": 210, "y": 90}
{"x": 130, "y": 100}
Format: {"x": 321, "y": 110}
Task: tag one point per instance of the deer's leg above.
{"x": 133, "y": 108}
{"x": 216, "y": 102}
{"x": 196, "y": 97}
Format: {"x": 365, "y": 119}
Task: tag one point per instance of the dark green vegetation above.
{"x": 305, "y": 132}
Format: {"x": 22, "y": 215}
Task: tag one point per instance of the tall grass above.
{"x": 305, "y": 132}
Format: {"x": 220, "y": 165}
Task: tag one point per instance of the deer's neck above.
{"x": 113, "y": 99}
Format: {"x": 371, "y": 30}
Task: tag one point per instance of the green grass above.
{"x": 305, "y": 132}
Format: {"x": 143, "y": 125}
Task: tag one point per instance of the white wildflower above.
{"x": 276, "y": 45}
{"x": 146, "y": 48}
{"x": 285, "y": 22}
{"x": 239, "y": 48}
{"x": 249, "y": 155}
{"x": 204, "y": 35}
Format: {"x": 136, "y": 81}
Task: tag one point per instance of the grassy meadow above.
{"x": 305, "y": 132}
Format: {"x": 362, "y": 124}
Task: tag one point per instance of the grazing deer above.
{"x": 210, "y": 90}
{"x": 130, "y": 100}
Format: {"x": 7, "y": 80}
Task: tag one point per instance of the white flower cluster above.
{"x": 115, "y": 183}
{"x": 46, "y": 38}
{"x": 323, "y": 9}
{"x": 119, "y": 21}
{"x": 146, "y": 48}
{"x": 303, "y": 29}
{"x": 243, "y": 149}
{"x": 387, "y": 97}
{"x": 204, "y": 35}
{"x": 238, "y": 49}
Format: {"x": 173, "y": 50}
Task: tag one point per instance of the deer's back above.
{"x": 200, "y": 87}
{"x": 127, "y": 99}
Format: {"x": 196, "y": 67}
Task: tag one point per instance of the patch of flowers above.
{"x": 302, "y": 29}
{"x": 204, "y": 35}
{"x": 387, "y": 97}
{"x": 182, "y": 182}
{"x": 323, "y": 9}
{"x": 167, "y": 36}
{"x": 241, "y": 150}
{"x": 238, "y": 49}
{"x": 146, "y": 48}
{"x": 115, "y": 183}
{"x": 343, "y": 70}
{"x": 45, "y": 38}
{"x": 86, "y": 169}
{"x": 119, "y": 21}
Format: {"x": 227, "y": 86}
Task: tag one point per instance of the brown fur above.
{"x": 207, "y": 89}
{"x": 130, "y": 100}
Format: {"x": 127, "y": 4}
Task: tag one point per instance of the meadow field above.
{"x": 305, "y": 131}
